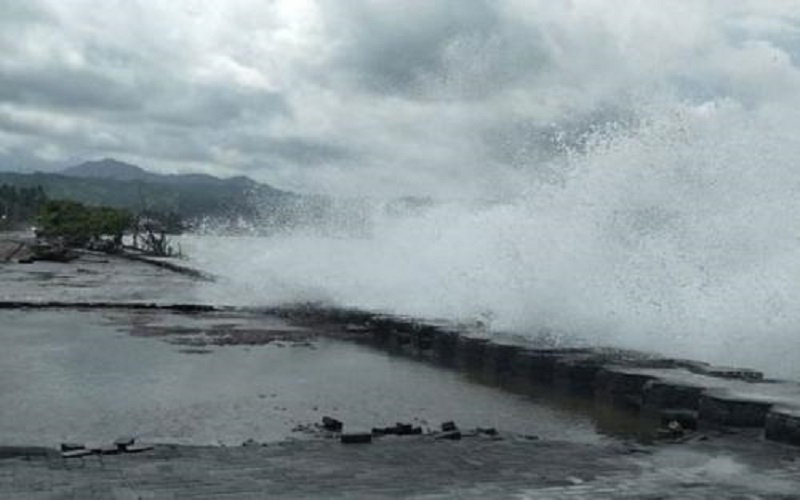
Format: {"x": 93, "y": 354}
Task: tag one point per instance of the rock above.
{"x": 107, "y": 449}
{"x": 123, "y": 442}
{"x": 25, "y": 452}
{"x": 72, "y": 446}
{"x": 76, "y": 453}
{"x": 406, "y": 429}
{"x": 138, "y": 448}
{"x": 356, "y": 438}
{"x": 672, "y": 430}
{"x": 449, "y": 426}
{"x": 686, "y": 418}
{"x": 398, "y": 430}
{"x": 331, "y": 424}
{"x": 451, "y": 435}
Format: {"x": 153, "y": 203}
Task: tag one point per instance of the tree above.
{"x": 19, "y": 205}
{"x": 80, "y": 225}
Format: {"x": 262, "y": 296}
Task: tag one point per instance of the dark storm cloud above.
{"x": 399, "y": 96}
{"x": 414, "y": 48}
{"x": 67, "y": 89}
{"x": 393, "y": 49}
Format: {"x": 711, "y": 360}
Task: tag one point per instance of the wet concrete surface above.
{"x": 413, "y": 467}
{"x": 86, "y": 375}
{"x": 93, "y": 277}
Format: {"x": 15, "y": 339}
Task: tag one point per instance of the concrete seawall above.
{"x": 695, "y": 393}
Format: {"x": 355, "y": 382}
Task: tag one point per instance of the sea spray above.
{"x": 680, "y": 236}
{"x": 629, "y": 177}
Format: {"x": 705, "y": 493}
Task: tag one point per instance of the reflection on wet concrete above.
{"x": 88, "y": 375}
{"x": 95, "y": 278}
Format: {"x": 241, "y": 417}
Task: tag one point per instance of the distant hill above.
{"x": 109, "y": 168}
{"x": 191, "y": 196}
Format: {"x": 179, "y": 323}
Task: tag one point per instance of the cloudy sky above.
{"x": 379, "y": 96}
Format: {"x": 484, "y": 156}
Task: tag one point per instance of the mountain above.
{"x": 109, "y": 168}
{"x": 190, "y": 196}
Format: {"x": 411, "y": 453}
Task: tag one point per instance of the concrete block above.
{"x": 423, "y": 339}
{"x": 470, "y": 352}
{"x": 522, "y": 364}
{"x": 401, "y": 341}
{"x": 450, "y": 435}
{"x": 449, "y": 426}
{"x": 72, "y": 446}
{"x": 499, "y": 358}
{"x": 445, "y": 345}
{"x": 783, "y": 425}
{"x": 659, "y": 395}
{"x": 356, "y": 438}
{"x": 381, "y": 328}
{"x": 576, "y": 374}
{"x": 728, "y": 372}
{"x": 717, "y": 407}
{"x": 398, "y": 429}
{"x": 331, "y": 424}
{"x": 622, "y": 386}
{"x": 76, "y": 453}
{"x": 540, "y": 364}
{"x": 139, "y": 448}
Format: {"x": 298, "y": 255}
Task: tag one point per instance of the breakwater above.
{"x": 696, "y": 394}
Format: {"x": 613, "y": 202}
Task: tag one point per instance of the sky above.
{"x": 435, "y": 97}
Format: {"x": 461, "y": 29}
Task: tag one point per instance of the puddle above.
{"x": 83, "y": 376}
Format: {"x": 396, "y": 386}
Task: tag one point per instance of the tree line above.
{"x": 75, "y": 224}
{"x": 19, "y": 205}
